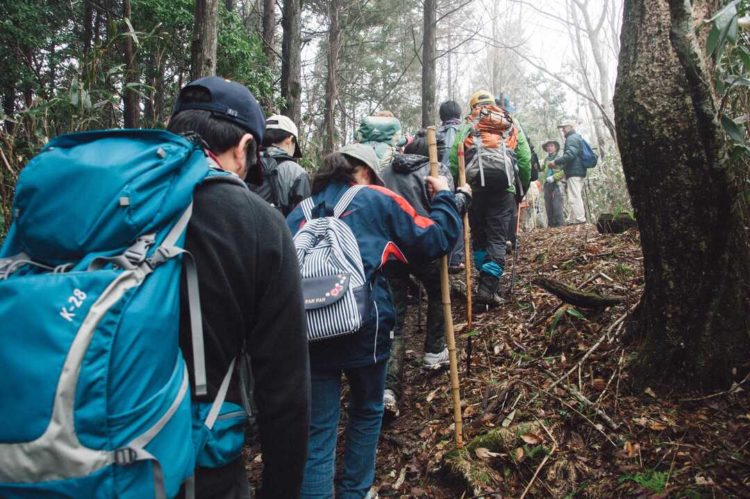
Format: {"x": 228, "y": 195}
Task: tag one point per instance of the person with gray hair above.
{"x": 574, "y": 169}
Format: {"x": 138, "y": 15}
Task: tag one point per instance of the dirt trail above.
{"x": 587, "y": 434}
{"x": 607, "y": 440}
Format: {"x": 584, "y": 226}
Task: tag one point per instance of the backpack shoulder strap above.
{"x": 346, "y": 199}
{"x": 307, "y": 206}
{"x": 269, "y": 162}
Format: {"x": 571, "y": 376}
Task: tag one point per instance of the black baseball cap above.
{"x": 229, "y": 100}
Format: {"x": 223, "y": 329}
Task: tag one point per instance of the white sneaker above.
{"x": 389, "y": 401}
{"x": 435, "y": 360}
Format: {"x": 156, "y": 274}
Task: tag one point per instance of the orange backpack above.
{"x": 490, "y": 149}
{"x": 493, "y": 123}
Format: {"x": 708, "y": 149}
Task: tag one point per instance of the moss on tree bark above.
{"x": 686, "y": 190}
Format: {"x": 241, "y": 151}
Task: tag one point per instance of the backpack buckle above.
{"x": 125, "y": 456}
{"x": 136, "y": 254}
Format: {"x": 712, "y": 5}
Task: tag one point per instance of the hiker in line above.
{"x": 531, "y": 207}
{"x": 386, "y": 227}
{"x": 575, "y": 171}
{"x": 450, "y": 117}
{"x": 503, "y": 101}
{"x": 382, "y": 131}
{"x": 405, "y": 176}
{"x": 553, "y": 188}
{"x": 285, "y": 183}
{"x": 250, "y": 291}
{"x": 536, "y": 216}
{"x": 497, "y": 168}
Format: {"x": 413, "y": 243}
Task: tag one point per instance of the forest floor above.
{"x": 542, "y": 434}
{"x": 549, "y": 406}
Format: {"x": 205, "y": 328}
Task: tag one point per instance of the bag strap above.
{"x": 341, "y": 205}
{"x": 346, "y": 200}
{"x": 164, "y": 252}
{"x": 221, "y": 395}
{"x": 12, "y": 263}
{"x": 307, "y": 206}
{"x": 135, "y": 256}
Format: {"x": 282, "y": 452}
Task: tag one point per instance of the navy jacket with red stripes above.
{"x": 387, "y": 228}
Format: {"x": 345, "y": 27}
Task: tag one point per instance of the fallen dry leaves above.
{"x": 661, "y": 446}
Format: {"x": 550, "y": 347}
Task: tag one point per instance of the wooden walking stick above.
{"x": 468, "y": 262}
{"x": 450, "y": 337}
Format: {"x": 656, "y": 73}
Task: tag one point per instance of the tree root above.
{"x": 575, "y": 297}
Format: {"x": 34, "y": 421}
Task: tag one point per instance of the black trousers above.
{"x": 491, "y": 215}
{"x": 227, "y": 482}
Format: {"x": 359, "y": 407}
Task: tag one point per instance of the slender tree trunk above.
{"x": 131, "y": 100}
{"x": 99, "y": 19}
{"x": 595, "y": 83}
{"x": 687, "y": 194}
{"x": 269, "y": 28}
{"x": 9, "y": 104}
{"x": 334, "y": 44}
{"x": 596, "y": 125}
{"x": 88, "y": 25}
{"x": 205, "y": 38}
{"x": 52, "y": 72}
{"x": 429, "y": 55}
{"x": 159, "y": 87}
{"x": 291, "y": 50}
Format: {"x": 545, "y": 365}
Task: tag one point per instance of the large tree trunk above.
{"x": 291, "y": 50}
{"x": 269, "y": 28}
{"x": 686, "y": 192}
{"x": 205, "y": 39}
{"x": 332, "y": 94}
{"x": 131, "y": 101}
{"x": 429, "y": 55}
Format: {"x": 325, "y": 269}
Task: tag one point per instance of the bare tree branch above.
{"x": 456, "y": 9}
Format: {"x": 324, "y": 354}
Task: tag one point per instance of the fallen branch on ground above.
{"x": 571, "y": 295}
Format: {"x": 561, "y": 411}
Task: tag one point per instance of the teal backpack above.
{"x": 588, "y": 156}
{"x": 96, "y": 395}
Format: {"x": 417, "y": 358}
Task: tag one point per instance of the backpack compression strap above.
{"x": 135, "y": 257}
{"x": 12, "y": 263}
{"x": 167, "y": 250}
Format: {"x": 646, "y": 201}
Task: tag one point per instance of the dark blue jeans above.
{"x": 366, "y": 386}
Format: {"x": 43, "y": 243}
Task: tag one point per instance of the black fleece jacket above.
{"x": 250, "y": 291}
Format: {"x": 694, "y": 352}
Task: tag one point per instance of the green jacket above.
{"x": 523, "y": 155}
{"x": 571, "y": 158}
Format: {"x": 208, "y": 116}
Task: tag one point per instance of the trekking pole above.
{"x": 515, "y": 248}
{"x": 419, "y": 311}
{"x": 587, "y": 195}
{"x": 467, "y": 258}
{"x": 448, "y": 316}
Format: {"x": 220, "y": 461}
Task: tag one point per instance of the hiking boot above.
{"x": 487, "y": 291}
{"x": 390, "y": 403}
{"x": 435, "y": 361}
{"x": 457, "y": 269}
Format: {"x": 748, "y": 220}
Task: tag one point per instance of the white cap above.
{"x": 281, "y": 122}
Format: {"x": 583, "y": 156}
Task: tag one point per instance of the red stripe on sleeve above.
{"x": 392, "y": 250}
{"x": 419, "y": 220}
